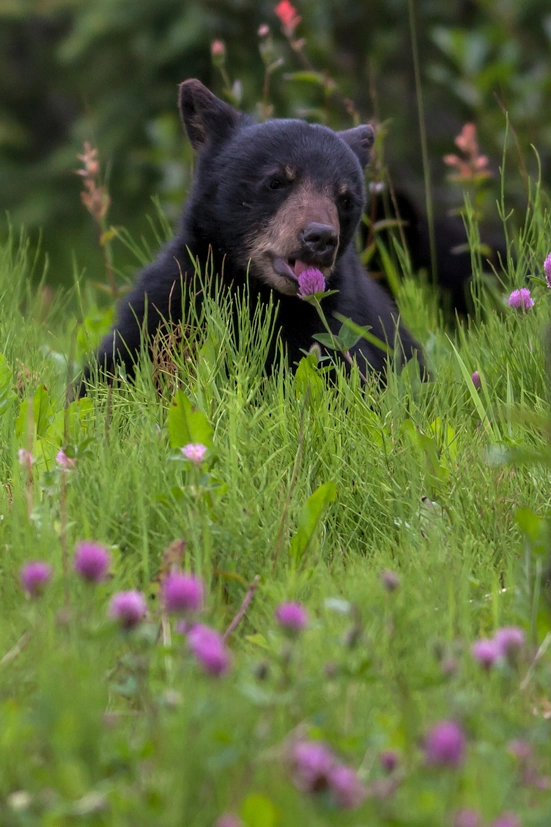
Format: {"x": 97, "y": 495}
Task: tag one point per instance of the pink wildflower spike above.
{"x": 288, "y": 16}
{"x": 182, "y": 593}
{"x": 486, "y": 652}
{"x": 209, "y": 649}
{"x": 91, "y": 561}
{"x": 476, "y": 380}
{"x": 310, "y": 281}
{"x": 445, "y": 745}
{"x": 128, "y": 608}
{"x": 26, "y": 459}
{"x": 521, "y": 299}
{"x": 35, "y": 576}
{"x": 547, "y": 269}
{"x": 195, "y": 452}
{"x": 64, "y": 461}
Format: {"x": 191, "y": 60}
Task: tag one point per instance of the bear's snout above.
{"x": 320, "y": 242}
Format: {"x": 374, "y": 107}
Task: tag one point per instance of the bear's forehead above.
{"x": 309, "y": 148}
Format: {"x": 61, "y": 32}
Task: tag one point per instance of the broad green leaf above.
{"x": 309, "y": 518}
{"x": 330, "y": 342}
{"x": 307, "y": 379}
{"x": 7, "y": 394}
{"x": 35, "y": 414}
{"x": 363, "y": 333}
{"x": 187, "y": 424}
{"x": 259, "y": 811}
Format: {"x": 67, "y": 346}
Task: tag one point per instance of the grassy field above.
{"x": 409, "y": 522}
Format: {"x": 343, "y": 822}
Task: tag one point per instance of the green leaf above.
{"x": 307, "y": 379}
{"x": 187, "y": 424}
{"x": 363, "y": 333}
{"x": 348, "y": 337}
{"x": 534, "y": 528}
{"x": 259, "y": 811}
{"x": 330, "y": 342}
{"x": 35, "y": 415}
{"x": 306, "y": 77}
{"x": 310, "y": 517}
{"x": 7, "y": 394}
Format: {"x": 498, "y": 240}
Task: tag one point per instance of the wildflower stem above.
{"x": 423, "y": 137}
{"x": 242, "y": 609}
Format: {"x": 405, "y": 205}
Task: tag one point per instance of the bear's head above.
{"x": 274, "y": 197}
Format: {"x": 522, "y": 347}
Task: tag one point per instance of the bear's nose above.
{"x": 320, "y": 239}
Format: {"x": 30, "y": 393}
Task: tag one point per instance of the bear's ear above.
{"x": 360, "y": 140}
{"x": 203, "y": 114}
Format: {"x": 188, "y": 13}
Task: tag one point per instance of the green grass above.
{"x": 446, "y": 485}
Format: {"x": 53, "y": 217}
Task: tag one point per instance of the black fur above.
{"x": 233, "y": 200}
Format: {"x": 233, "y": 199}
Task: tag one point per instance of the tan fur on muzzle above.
{"x": 281, "y": 236}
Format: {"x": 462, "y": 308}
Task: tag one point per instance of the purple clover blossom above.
{"x": 507, "y": 820}
{"x": 445, "y": 745}
{"x": 35, "y": 576}
{"x": 310, "y": 281}
{"x": 476, "y": 380}
{"x": 64, "y": 461}
{"x": 182, "y": 593}
{"x": 128, "y": 608}
{"x": 547, "y": 269}
{"x": 467, "y": 818}
{"x": 521, "y": 299}
{"x": 91, "y": 561}
{"x": 486, "y": 652}
{"x": 292, "y": 617}
{"x": 346, "y": 786}
{"x": 209, "y": 649}
{"x": 195, "y": 451}
{"x": 312, "y": 762}
{"x": 509, "y": 641}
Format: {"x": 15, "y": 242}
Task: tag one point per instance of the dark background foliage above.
{"x": 108, "y": 71}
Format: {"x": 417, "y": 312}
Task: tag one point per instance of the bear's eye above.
{"x": 277, "y": 183}
{"x": 346, "y": 201}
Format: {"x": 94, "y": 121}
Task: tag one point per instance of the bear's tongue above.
{"x": 300, "y": 267}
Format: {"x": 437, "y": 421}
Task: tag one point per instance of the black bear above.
{"x": 268, "y": 200}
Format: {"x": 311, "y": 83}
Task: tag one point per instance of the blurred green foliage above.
{"x": 107, "y": 72}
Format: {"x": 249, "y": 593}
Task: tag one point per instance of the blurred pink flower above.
{"x": 292, "y": 617}
{"x": 91, "y": 561}
{"x": 25, "y": 458}
{"x": 445, "y": 745}
{"x": 346, "y": 786}
{"x": 288, "y": 16}
{"x": 182, "y": 593}
{"x": 128, "y": 608}
{"x": 195, "y": 452}
{"x": 64, "y": 461}
{"x": 486, "y": 652}
{"x": 35, "y": 576}
{"x": 547, "y": 269}
{"x": 209, "y": 649}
